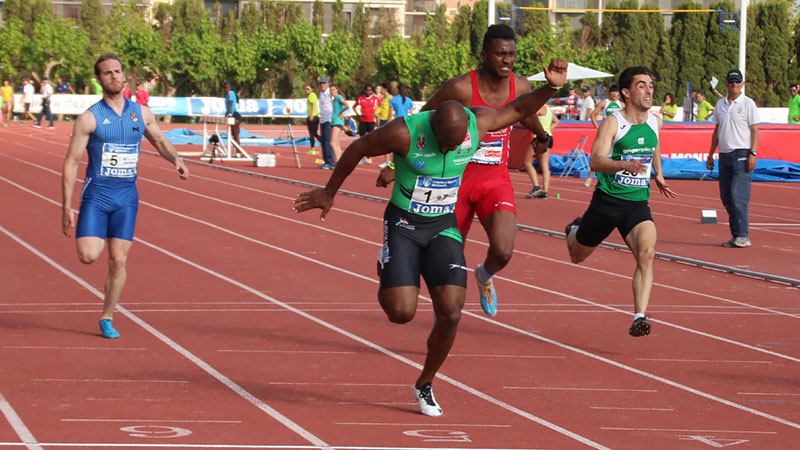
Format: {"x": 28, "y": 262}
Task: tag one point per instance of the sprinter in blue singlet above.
{"x": 111, "y": 130}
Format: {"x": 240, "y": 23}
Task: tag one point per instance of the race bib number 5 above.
{"x": 641, "y": 179}
{"x": 119, "y": 160}
{"x": 434, "y": 195}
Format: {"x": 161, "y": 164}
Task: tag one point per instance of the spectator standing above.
{"x": 7, "y": 92}
{"x": 587, "y": 105}
{"x": 46, "y": 89}
{"x": 549, "y": 122}
{"x": 401, "y": 104}
{"x": 312, "y": 110}
{"x": 27, "y": 98}
{"x": 62, "y": 87}
{"x": 96, "y": 88}
{"x": 325, "y": 114}
{"x": 337, "y": 121}
{"x": 704, "y": 109}
{"x": 384, "y": 110}
{"x": 736, "y": 135}
{"x": 794, "y": 104}
{"x": 572, "y": 104}
{"x": 142, "y": 96}
{"x": 669, "y": 109}
{"x": 366, "y": 106}
{"x": 127, "y": 91}
{"x": 232, "y": 110}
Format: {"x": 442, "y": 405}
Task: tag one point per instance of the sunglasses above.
{"x": 734, "y": 81}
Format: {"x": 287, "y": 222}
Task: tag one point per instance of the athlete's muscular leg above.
{"x": 399, "y": 303}
{"x": 447, "y": 303}
{"x": 642, "y": 242}
{"x": 89, "y": 248}
{"x": 117, "y": 255}
{"x": 577, "y": 251}
{"x": 501, "y": 227}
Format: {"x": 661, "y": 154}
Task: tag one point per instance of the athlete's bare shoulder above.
{"x": 522, "y": 84}
{"x": 458, "y": 88}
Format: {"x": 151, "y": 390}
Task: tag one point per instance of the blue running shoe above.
{"x": 108, "y": 330}
{"x": 488, "y": 295}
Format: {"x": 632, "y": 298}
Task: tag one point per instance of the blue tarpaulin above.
{"x": 185, "y": 136}
{"x": 692, "y": 169}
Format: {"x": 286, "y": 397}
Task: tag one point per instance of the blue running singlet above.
{"x": 109, "y": 200}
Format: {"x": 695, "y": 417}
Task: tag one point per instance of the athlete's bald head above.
{"x": 449, "y": 123}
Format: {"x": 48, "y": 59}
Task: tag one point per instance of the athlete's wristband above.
{"x": 390, "y": 165}
{"x": 554, "y": 87}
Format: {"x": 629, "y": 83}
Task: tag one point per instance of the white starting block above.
{"x": 264, "y": 160}
{"x": 708, "y": 216}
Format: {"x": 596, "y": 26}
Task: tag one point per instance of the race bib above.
{"x": 119, "y": 160}
{"x": 641, "y": 179}
{"x": 434, "y": 195}
{"x": 489, "y": 152}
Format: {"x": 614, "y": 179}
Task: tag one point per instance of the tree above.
{"x": 721, "y": 47}
{"x": 318, "y": 14}
{"x": 11, "y": 41}
{"x": 93, "y": 21}
{"x": 688, "y": 36}
{"x": 774, "y": 21}
{"x": 55, "y": 42}
{"x": 337, "y": 17}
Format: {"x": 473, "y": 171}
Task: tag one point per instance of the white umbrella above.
{"x": 575, "y": 72}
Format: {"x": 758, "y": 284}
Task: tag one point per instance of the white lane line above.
{"x": 18, "y": 425}
{"x": 295, "y": 383}
{"x": 379, "y": 403}
{"x": 713, "y": 361}
{"x": 781, "y": 394}
{"x": 619, "y": 408}
{"x": 247, "y": 446}
{"x": 559, "y": 388}
{"x": 429, "y": 424}
{"x": 34, "y": 347}
{"x": 151, "y": 420}
{"x": 291, "y": 352}
{"x": 490, "y": 355}
{"x": 230, "y": 384}
{"x": 687, "y": 430}
{"x": 99, "y": 380}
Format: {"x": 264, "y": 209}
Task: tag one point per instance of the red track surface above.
{"x": 245, "y": 324}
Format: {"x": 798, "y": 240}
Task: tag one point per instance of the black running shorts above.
{"x": 415, "y": 245}
{"x": 606, "y": 213}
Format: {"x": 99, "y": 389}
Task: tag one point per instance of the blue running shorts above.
{"x": 108, "y": 211}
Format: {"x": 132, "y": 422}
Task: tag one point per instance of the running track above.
{"x": 245, "y": 325}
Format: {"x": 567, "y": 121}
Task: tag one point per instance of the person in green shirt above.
{"x": 704, "y": 108}
{"x": 669, "y": 109}
{"x": 312, "y": 109}
{"x": 625, "y": 152}
{"x": 96, "y": 88}
{"x": 431, "y": 150}
{"x": 794, "y": 104}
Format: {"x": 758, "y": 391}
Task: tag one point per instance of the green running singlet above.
{"x": 427, "y": 180}
{"x": 631, "y": 142}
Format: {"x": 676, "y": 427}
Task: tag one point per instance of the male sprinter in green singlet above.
{"x": 431, "y": 150}
{"x": 624, "y": 153}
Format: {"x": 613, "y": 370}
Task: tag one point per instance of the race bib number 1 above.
{"x": 434, "y": 195}
{"x": 641, "y": 179}
{"x": 119, "y": 160}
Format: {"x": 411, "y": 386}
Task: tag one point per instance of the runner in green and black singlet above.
{"x": 631, "y": 142}
{"x": 625, "y": 152}
{"x": 421, "y": 238}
